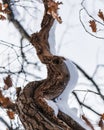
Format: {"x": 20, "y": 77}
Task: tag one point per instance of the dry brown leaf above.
{"x": 52, "y": 10}
{"x": 5, "y": 5}
{"x": 101, "y": 124}
{"x": 101, "y": 15}
{"x": 11, "y": 114}
{"x": 87, "y": 122}
{"x": 5, "y": 10}
{"x": 93, "y": 25}
{"x": 5, "y": 101}
{"x": 8, "y": 82}
{"x": 102, "y": 116}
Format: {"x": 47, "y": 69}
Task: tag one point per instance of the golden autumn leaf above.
{"x": 11, "y": 114}
{"x": 101, "y": 15}
{"x": 52, "y": 10}
{"x": 8, "y": 82}
{"x": 87, "y": 122}
{"x": 93, "y": 25}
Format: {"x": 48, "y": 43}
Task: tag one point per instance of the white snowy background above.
{"x": 71, "y": 41}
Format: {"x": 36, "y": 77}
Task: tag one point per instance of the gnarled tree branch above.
{"x": 31, "y": 105}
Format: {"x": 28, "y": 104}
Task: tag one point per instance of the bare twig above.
{"x": 91, "y": 80}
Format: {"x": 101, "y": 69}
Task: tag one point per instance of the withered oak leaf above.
{"x": 93, "y": 25}
{"x": 101, "y": 15}
{"x": 5, "y": 101}
{"x": 52, "y": 10}
{"x": 11, "y": 114}
{"x": 8, "y": 82}
{"x": 4, "y": 9}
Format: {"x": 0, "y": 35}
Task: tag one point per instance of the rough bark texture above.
{"x": 31, "y": 106}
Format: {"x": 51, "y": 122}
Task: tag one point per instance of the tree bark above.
{"x": 33, "y": 110}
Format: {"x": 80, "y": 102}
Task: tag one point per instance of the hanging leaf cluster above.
{"x": 93, "y": 24}
{"x": 4, "y": 9}
{"x": 52, "y": 10}
{"x": 5, "y": 102}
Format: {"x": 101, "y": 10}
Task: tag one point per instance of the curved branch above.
{"x": 5, "y": 123}
{"x": 32, "y": 107}
{"x": 82, "y": 104}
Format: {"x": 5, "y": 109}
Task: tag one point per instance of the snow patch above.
{"x": 62, "y": 100}
{"x": 72, "y": 82}
{"x": 61, "y": 103}
{"x": 51, "y": 39}
{"x": 53, "y": 105}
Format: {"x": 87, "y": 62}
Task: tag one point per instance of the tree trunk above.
{"x": 31, "y": 106}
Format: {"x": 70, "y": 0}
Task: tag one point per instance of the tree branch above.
{"x": 91, "y": 80}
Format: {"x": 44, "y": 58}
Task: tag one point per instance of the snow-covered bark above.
{"x": 61, "y": 102}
